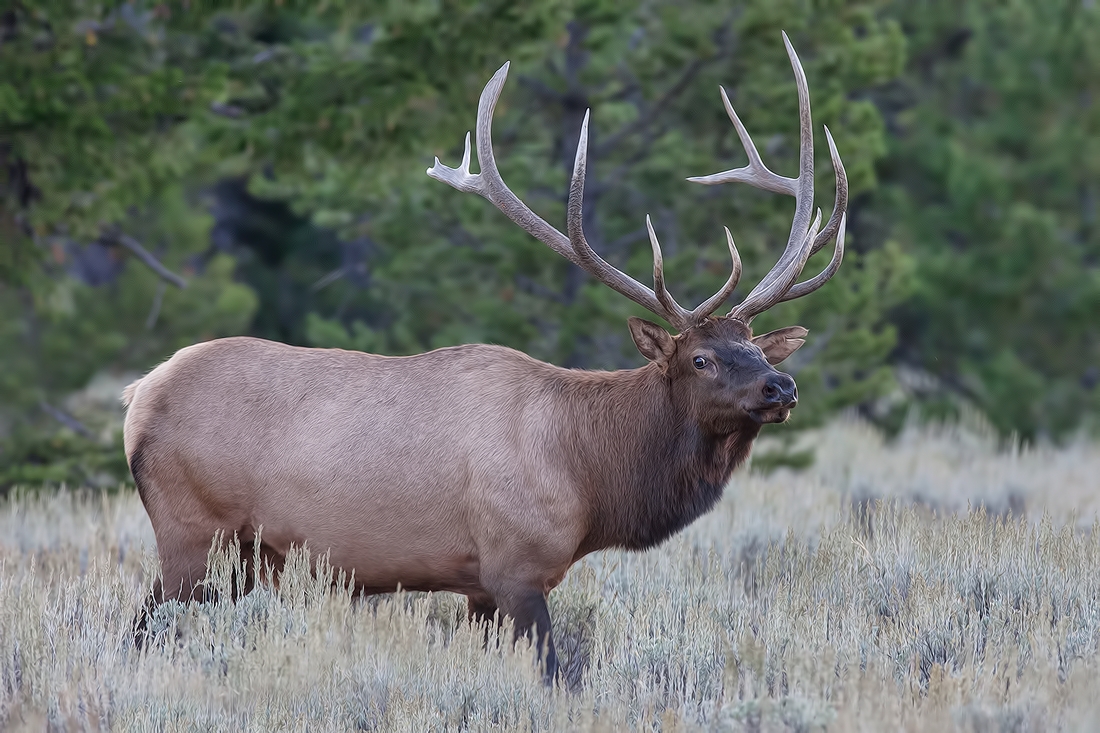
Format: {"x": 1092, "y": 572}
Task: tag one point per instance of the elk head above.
{"x": 720, "y": 370}
{"x": 720, "y": 373}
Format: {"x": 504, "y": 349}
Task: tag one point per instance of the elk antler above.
{"x": 575, "y": 248}
{"x": 779, "y": 284}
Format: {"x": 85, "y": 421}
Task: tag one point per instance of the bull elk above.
{"x": 476, "y": 469}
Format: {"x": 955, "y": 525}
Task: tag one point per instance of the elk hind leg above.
{"x": 482, "y": 610}
{"x": 183, "y": 567}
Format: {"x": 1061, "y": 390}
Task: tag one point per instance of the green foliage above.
{"x": 338, "y": 107}
{"x": 992, "y": 182}
{"x": 52, "y": 456}
{"x": 92, "y": 101}
{"x": 70, "y": 331}
{"x": 274, "y": 154}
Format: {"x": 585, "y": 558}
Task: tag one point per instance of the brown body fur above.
{"x": 352, "y": 453}
{"x": 474, "y": 469}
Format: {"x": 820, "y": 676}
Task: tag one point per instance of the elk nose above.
{"x": 780, "y": 389}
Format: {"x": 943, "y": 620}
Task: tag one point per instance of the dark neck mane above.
{"x": 644, "y": 466}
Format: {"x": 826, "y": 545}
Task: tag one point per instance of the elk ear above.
{"x": 778, "y": 345}
{"x": 653, "y": 341}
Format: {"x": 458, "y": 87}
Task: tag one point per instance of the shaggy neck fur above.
{"x": 645, "y": 466}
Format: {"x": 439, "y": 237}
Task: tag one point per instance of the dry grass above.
{"x": 801, "y": 603}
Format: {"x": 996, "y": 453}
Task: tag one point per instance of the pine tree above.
{"x": 992, "y": 187}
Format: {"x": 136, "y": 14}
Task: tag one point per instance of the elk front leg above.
{"x": 529, "y": 612}
{"x": 527, "y": 535}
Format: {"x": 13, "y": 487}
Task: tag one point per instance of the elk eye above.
{"x": 699, "y": 362}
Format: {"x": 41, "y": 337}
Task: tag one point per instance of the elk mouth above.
{"x": 773, "y": 414}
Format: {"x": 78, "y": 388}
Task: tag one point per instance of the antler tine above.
{"x": 659, "y": 289}
{"x": 774, "y": 287}
{"x": 660, "y": 302}
{"x": 488, "y": 182}
{"x": 840, "y": 203}
{"x": 755, "y": 174}
{"x": 670, "y": 310}
{"x": 782, "y": 274}
{"x": 807, "y": 287}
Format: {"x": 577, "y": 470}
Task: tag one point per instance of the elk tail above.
{"x": 128, "y": 393}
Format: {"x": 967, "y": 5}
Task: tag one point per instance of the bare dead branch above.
{"x": 154, "y": 311}
{"x": 65, "y": 419}
{"x": 725, "y": 40}
{"x": 226, "y": 110}
{"x": 621, "y": 170}
{"x": 149, "y": 260}
{"x": 327, "y": 279}
{"x": 541, "y": 89}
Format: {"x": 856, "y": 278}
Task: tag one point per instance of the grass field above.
{"x": 935, "y": 583}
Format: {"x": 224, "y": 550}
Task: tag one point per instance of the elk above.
{"x": 476, "y": 469}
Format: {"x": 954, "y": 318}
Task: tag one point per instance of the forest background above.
{"x": 269, "y": 158}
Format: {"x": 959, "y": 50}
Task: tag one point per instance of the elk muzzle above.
{"x": 778, "y": 395}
